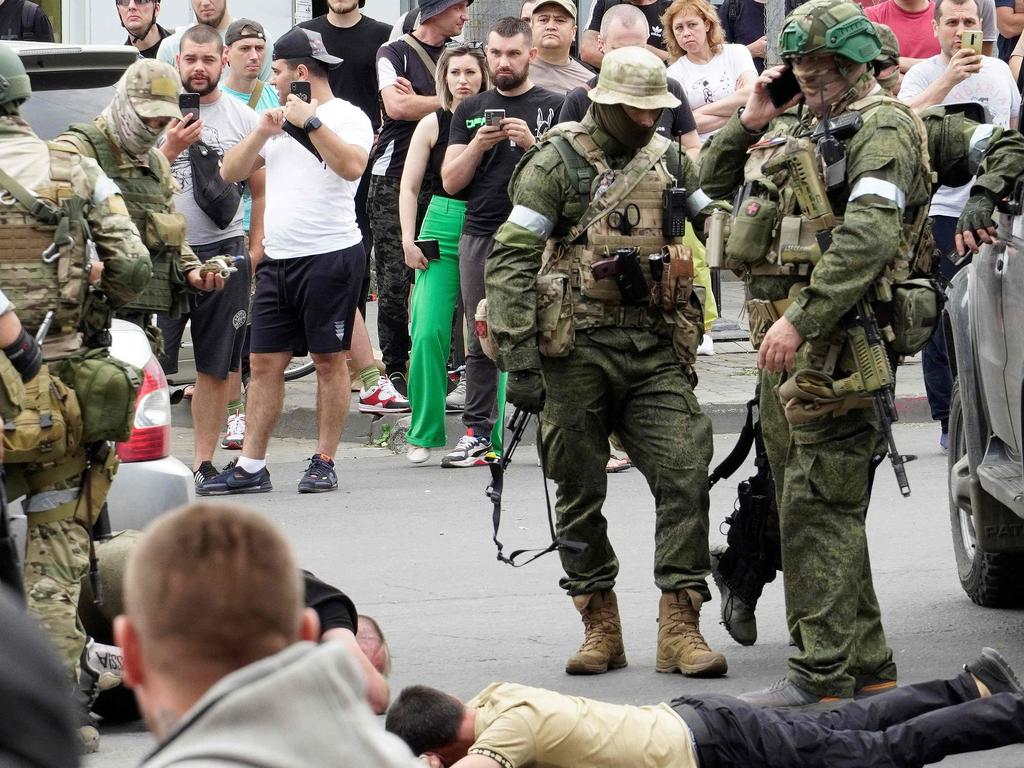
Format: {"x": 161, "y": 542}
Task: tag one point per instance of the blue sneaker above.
{"x": 319, "y": 477}
{"x": 234, "y": 479}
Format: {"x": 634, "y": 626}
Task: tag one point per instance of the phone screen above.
{"x": 188, "y": 103}
{"x": 494, "y": 117}
{"x": 783, "y": 88}
{"x": 302, "y": 89}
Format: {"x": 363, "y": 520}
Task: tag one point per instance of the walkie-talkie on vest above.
{"x": 831, "y": 153}
{"x": 673, "y": 206}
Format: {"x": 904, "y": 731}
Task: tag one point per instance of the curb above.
{"x": 300, "y": 421}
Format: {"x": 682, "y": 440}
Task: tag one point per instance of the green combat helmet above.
{"x": 634, "y": 77}
{"x": 14, "y": 83}
{"x": 838, "y": 27}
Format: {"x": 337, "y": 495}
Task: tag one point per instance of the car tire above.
{"x": 990, "y": 579}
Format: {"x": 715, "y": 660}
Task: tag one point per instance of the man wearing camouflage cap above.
{"x": 591, "y": 303}
{"x": 122, "y": 140}
{"x": 59, "y": 212}
{"x": 866, "y": 231}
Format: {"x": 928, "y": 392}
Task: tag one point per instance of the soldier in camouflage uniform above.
{"x": 861, "y": 227}
{"x": 122, "y": 140}
{"x": 61, "y": 206}
{"x": 959, "y": 150}
{"x": 600, "y": 356}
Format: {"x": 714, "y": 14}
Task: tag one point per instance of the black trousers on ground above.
{"x": 910, "y": 726}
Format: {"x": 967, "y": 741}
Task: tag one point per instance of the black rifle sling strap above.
{"x": 741, "y": 450}
{"x": 517, "y": 425}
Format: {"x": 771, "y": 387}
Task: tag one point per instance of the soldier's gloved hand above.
{"x": 525, "y": 389}
{"x": 975, "y": 225}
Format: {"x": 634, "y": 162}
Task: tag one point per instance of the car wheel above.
{"x": 989, "y": 579}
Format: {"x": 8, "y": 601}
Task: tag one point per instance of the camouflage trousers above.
{"x": 629, "y": 382}
{"x": 394, "y": 278}
{"x": 56, "y": 561}
{"x": 823, "y": 475}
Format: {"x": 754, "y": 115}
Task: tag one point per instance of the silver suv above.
{"x": 985, "y": 328}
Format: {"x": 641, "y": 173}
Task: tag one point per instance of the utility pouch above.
{"x": 688, "y": 326}
{"x": 556, "y": 329}
{"x": 166, "y": 293}
{"x": 12, "y": 389}
{"x": 753, "y": 226}
{"x": 164, "y": 230}
{"x": 632, "y": 282}
{"x": 916, "y": 307}
{"x": 49, "y": 425}
{"x": 106, "y": 388}
{"x": 717, "y": 228}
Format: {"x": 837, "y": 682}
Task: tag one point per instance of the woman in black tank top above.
{"x": 461, "y": 73}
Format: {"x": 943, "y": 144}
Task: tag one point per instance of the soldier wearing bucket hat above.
{"x": 606, "y": 199}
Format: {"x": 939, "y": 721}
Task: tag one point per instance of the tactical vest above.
{"x": 569, "y": 291}
{"x": 46, "y": 250}
{"x": 783, "y": 217}
{"x": 162, "y": 232}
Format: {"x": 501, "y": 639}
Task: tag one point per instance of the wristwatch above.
{"x": 312, "y": 124}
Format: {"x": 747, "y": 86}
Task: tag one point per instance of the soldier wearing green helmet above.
{"x": 590, "y": 301}
{"x": 69, "y": 257}
{"x": 823, "y": 223}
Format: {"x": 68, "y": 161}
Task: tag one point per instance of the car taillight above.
{"x": 151, "y": 431}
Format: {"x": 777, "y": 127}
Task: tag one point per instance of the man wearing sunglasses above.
{"x": 139, "y": 18}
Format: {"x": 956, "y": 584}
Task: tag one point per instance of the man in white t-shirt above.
{"x": 956, "y": 75}
{"x": 308, "y": 284}
{"x": 214, "y": 228}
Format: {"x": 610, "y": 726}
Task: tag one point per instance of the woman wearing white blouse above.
{"x": 716, "y": 76}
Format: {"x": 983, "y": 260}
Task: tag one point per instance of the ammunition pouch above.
{"x": 916, "y": 309}
{"x": 49, "y": 425}
{"x": 106, "y": 388}
{"x": 556, "y": 327}
{"x": 167, "y": 291}
{"x": 761, "y": 313}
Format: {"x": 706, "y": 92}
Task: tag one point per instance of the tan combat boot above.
{"x": 681, "y": 647}
{"x": 602, "y": 642}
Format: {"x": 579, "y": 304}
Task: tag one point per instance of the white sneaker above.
{"x": 471, "y": 451}
{"x": 417, "y": 454}
{"x": 707, "y": 346}
{"x": 106, "y": 662}
{"x": 456, "y": 400}
{"x": 235, "y": 433}
{"x": 382, "y": 397}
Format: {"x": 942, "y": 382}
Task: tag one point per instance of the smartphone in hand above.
{"x": 782, "y": 89}
{"x": 493, "y": 117}
{"x": 971, "y": 39}
{"x": 302, "y": 89}
{"x": 430, "y": 248}
{"x": 188, "y": 103}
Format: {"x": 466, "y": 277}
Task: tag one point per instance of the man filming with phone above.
{"x": 308, "y": 284}
{"x": 959, "y": 74}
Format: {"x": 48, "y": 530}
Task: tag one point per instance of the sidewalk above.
{"x": 726, "y": 383}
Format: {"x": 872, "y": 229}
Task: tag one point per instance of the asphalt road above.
{"x": 411, "y": 546}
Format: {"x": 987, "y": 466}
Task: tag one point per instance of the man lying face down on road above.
{"x": 220, "y": 654}
{"x": 514, "y": 726}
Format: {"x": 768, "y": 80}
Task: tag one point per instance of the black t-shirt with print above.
{"x": 674, "y": 122}
{"x": 489, "y": 204}
{"x": 398, "y": 59}
{"x": 653, "y": 12}
{"x": 355, "y": 79}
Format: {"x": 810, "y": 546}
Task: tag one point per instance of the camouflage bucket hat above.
{"x": 635, "y": 77}
{"x": 838, "y": 27}
{"x": 153, "y": 88}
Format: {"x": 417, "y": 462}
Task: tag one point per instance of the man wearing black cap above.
{"x": 405, "y": 75}
{"x": 213, "y": 13}
{"x": 308, "y": 283}
{"x": 138, "y": 17}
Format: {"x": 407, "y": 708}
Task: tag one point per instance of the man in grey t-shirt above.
{"x": 218, "y": 320}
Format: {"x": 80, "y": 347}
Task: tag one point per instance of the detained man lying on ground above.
{"x": 508, "y": 726}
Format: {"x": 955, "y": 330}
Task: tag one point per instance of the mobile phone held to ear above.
{"x": 782, "y": 89}
{"x": 188, "y": 103}
{"x": 430, "y": 248}
{"x": 971, "y": 39}
{"x": 302, "y": 89}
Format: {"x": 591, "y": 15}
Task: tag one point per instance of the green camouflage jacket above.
{"x": 543, "y": 186}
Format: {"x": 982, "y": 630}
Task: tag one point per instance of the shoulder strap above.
{"x": 428, "y": 62}
{"x": 624, "y": 183}
{"x": 100, "y": 145}
{"x": 254, "y": 97}
{"x": 28, "y": 20}
{"x": 41, "y": 210}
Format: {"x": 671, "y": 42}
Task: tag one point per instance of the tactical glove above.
{"x": 977, "y": 214}
{"x": 525, "y": 390}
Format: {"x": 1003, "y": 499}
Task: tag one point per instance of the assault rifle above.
{"x": 874, "y": 376}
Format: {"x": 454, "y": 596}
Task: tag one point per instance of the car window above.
{"x": 51, "y": 112}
